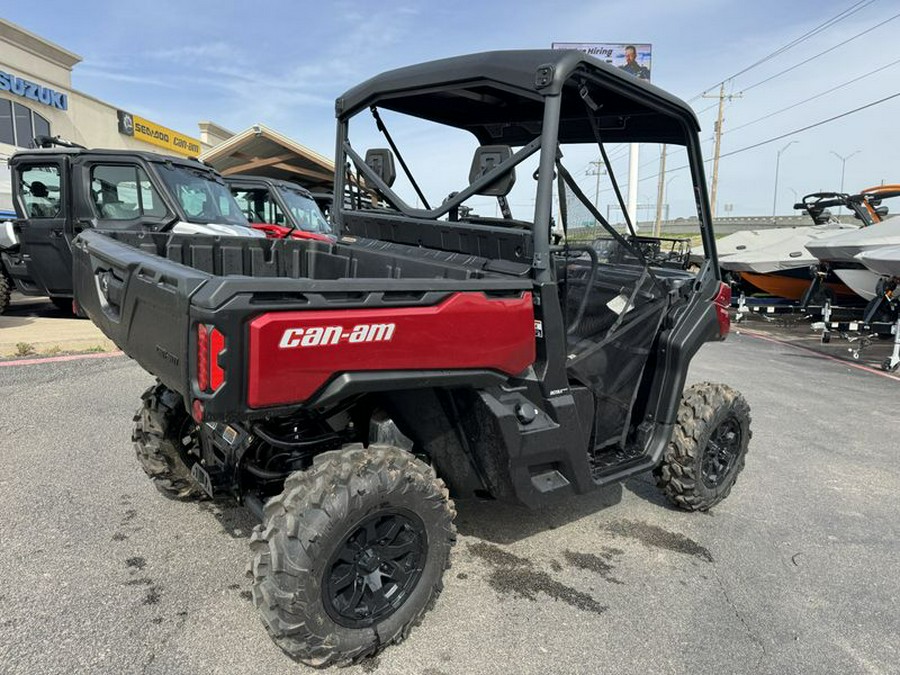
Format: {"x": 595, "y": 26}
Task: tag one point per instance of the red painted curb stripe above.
{"x": 57, "y": 359}
{"x": 828, "y": 357}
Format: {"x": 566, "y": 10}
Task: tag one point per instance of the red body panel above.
{"x": 467, "y": 330}
{"x": 280, "y": 232}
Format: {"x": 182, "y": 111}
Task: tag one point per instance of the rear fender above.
{"x": 693, "y": 325}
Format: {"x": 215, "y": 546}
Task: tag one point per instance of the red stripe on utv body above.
{"x": 292, "y": 354}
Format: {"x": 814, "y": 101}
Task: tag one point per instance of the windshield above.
{"x": 305, "y": 212}
{"x": 202, "y": 197}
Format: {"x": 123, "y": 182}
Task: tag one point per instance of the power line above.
{"x": 785, "y": 135}
{"x": 813, "y": 125}
{"x": 811, "y": 58}
{"x": 857, "y": 6}
{"x": 853, "y": 9}
{"x": 812, "y": 98}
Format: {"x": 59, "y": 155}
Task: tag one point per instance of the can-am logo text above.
{"x": 332, "y": 335}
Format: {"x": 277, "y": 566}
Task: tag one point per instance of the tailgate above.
{"x": 140, "y": 301}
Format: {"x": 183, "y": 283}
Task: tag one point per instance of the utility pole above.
{"x": 634, "y": 162}
{"x": 660, "y": 191}
{"x": 718, "y": 131}
{"x": 598, "y": 170}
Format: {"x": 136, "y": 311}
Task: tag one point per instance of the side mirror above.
{"x": 487, "y": 157}
{"x": 381, "y": 161}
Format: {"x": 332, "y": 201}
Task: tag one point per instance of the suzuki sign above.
{"x": 34, "y": 91}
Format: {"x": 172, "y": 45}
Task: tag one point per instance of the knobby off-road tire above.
{"x": 708, "y": 447}
{"x": 350, "y": 516}
{"x": 6, "y": 286}
{"x": 163, "y": 436}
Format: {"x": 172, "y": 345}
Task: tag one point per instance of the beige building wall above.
{"x": 88, "y": 121}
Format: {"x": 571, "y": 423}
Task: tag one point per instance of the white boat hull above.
{"x": 884, "y": 260}
{"x": 861, "y": 282}
{"x": 784, "y": 250}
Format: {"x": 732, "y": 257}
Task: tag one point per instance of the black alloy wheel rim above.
{"x": 721, "y": 452}
{"x": 375, "y": 568}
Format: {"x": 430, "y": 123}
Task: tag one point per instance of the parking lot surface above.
{"x": 796, "y": 572}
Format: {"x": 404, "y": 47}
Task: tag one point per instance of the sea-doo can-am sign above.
{"x": 33, "y": 91}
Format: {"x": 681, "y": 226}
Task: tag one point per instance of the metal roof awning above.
{"x": 261, "y": 151}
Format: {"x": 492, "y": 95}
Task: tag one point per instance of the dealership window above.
{"x": 40, "y": 191}
{"x": 19, "y": 124}
{"x": 122, "y": 192}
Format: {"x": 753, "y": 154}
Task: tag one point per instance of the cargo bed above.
{"x": 262, "y": 306}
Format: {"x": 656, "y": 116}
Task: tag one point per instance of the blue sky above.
{"x": 284, "y": 63}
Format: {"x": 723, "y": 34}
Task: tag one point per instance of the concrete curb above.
{"x": 25, "y": 336}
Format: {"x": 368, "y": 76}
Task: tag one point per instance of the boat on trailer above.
{"x": 838, "y": 255}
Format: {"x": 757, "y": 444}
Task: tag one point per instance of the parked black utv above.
{"x": 61, "y": 191}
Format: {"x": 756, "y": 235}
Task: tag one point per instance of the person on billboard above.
{"x": 632, "y": 67}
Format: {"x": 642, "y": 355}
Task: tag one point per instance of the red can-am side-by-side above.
{"x": 278, "y": 208}
{"x": 347, "y": 390}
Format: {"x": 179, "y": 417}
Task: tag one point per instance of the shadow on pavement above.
{"x": 503, "y": 523}
{"x": 644, "y": 486}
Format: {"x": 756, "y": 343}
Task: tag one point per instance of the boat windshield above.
{"x": 305, "y": 212}
{"x": 203, "y": 198}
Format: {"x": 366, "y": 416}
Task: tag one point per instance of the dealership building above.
{"x": 37, "y": 99}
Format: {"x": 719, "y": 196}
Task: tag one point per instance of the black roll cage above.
{"x": 549, "y": 82}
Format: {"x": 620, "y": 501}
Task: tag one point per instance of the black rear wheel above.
{"x": 708, "y": 447}
{"x": 166, "y": 442}
{"x": 352, "y": 554}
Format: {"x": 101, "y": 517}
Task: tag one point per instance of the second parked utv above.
{"x": 344, "y": 390}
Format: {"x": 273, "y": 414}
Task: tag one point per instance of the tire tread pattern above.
{"x": 286, "y": 547}
{"x": 157, "y": 425}
{"x": 678, "y": 476}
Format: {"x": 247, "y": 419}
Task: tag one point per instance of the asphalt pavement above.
{"x": 796, "y": 572}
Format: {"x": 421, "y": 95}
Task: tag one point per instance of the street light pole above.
{"x": 666, "y": 195}
{"x": 843, "y": 167}
{"x": 777, "y": 164}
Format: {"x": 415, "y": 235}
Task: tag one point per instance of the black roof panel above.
{"x": 139, "y": 154}
{"x": 498, "y": 96}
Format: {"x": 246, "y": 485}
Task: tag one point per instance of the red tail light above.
{"x": 197, "y": 411}
{"x": 723, "y": 302}
{"x": 210, "y": 345}
{"x": 216, "y": 347}
{"x": 202, "y": 357}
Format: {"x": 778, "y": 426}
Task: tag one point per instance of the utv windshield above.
{"x": 203, "y": 197}
{"x": 304, "y": 212}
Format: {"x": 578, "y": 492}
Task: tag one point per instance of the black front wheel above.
{"x": 352, "y": 554}
{"x": 708, "y": 447}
